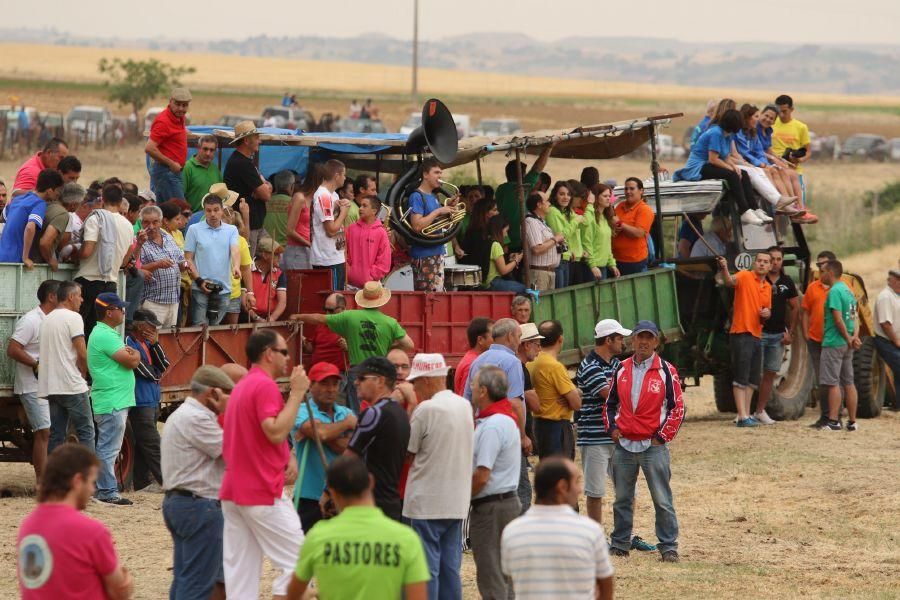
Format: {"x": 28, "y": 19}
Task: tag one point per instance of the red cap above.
{"x": 323, "y": 370}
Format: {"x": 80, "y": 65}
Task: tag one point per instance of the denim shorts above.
{"x": 746, "y": 359}
{"x": 772, "y": 351}
{"x": 37, "y": 410}
{"x": 597, "y": 462}
{"x": 234, "y": 306}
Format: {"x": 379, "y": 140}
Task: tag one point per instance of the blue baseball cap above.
{"x": 110, "y": 299}
{"x": 648, "y": 326}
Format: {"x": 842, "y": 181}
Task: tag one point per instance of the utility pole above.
{"x": 415, "y": 53}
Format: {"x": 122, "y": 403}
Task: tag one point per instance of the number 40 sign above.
{"x": 743, "y": 261}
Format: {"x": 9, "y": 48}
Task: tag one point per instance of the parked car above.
{"x": 463, "y": 124}
{"x": 232, "y": 120}
{"x": 824, "y": 147}
{"x": 360, "y": 125}
{"x": 286, "y": 117}
{"x": 497, "y": 127}
{"x": 89, "y": 123}
{"x": 667, "y": 148}
{"x": 895, "y": 148}
{"x": 865, "y": 146}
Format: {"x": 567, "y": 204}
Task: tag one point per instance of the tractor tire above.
{"x": 870, "y": 379}
{"x": 723, "y": 391}
{"x": 792, "y": 386}
{"x": 125, "y": 461}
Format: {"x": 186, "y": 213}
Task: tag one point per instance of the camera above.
{"x": 214, "y": 288}
{"x": 562, "y": 247}
{"x": 790, "y": 153}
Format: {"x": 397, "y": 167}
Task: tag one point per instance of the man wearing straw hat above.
{"x": 242, "y": 176}
{"x": 167, "y": 147}
{"x": 368, "y": 331}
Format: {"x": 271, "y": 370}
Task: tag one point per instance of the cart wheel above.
{"x": 125, "y": 461}
{"x": 870, "y": 379}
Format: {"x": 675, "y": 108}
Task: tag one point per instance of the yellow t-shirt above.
{"x": 789, "y": 135}
{"x": 246, "y": 261}
{"x": 550, "y": 381}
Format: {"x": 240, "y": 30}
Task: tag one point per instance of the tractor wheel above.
{"x": 870, "y": 379}
{"x": 792, "y": 385}
{"x": 125, "y": 461}
{"x": 723, "y": 391}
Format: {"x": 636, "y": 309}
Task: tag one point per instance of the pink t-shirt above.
{"x": 254, "y": 466}
{"x": 63, "y": 554}
{"x": 26, "y": 178}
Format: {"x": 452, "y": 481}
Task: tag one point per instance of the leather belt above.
{"x": 493, "y": 498}
{"x": 537, "y": 268}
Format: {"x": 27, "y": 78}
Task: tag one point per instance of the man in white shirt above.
{"x": 495, "y": 478}
{"x": 437, "y": 490}
{"x": 716, "y": 239}
{"x": 327, "y": 222}
{"x": 63, "y": 367}
{"x": 24, "y": 348}
{"x": 551, "y": 551}
{"x": 887, "y": 329}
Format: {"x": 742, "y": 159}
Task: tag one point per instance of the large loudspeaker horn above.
{"x": 437, "y": 132}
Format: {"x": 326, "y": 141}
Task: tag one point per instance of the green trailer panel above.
{"x": 650, "y": 295}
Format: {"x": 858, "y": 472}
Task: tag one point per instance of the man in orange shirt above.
{"x": 813, "y": 328}
{"x": 634, "y": 218}
{"x": 752, "y": 306}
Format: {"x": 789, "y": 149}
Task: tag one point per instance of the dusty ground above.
{"x": 780, "y": 512}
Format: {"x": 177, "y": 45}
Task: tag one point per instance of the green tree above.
{"x": 135, "y": 82}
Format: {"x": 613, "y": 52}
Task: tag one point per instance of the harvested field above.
{"x": 780, "y": 512}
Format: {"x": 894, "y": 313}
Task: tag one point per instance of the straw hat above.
{"x": 267, "y": 244}
{"x": 181, "y": 94}
{"x": 373, "y": 295}
{"x": 242, "y": 130}
{"x": 221, "y": 190}
{"x": 529, "y": 332}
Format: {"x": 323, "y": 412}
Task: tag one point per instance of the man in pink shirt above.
{"x": 259, "y": 518}
{"x": 368, "y": 249}
{"x": 61, "y": 552}
{"x": 48, "y": 158}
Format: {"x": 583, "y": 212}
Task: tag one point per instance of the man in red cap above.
{"x": 334, "y": 424}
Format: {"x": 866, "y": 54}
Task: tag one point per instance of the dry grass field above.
{"x": 780, "y": 512}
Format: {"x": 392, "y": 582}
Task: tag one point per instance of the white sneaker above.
{"x": 749, "y": 218}
{"x": 762, "y": 215}
{"x": 763, "y": 417}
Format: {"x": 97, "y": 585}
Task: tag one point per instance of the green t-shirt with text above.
{"x": 362, "y": 555}
{"x": 368, "y": 332}
{"x": 113, "y": 385}
{"x": 839, "y": 298}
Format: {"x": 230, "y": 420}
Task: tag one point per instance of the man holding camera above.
{"x": 790, "y": 138}
{"x": 211, "y": 251}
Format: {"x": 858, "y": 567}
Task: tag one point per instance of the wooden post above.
{"x": 656, "y": 232}
{"x": 520, "y": 190}
{"x": 478, "y": 169}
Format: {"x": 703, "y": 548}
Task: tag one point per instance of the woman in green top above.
{"x": 597, "y": 238}
{"x": 498, "y": 266}
{"x": 563, "y": 220}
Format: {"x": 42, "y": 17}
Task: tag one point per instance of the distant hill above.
{"x": 838, "y": 69}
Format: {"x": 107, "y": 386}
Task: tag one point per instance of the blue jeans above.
{"x": 442, "y": 539}
{"x": 77, "y": 408}
{"x": 110, "y": 433}
{"x": 563, "y": 272}
{"x": 208, "y": 308}
{"x": 196, "y": 526}
{"x": 134, "y": 289}
{"x": 630, "y": 268}
{"x": 890, "y": 354}
{"x": 654, "y": 462}
{"x": 164, "y": 183}
{"x": 498, "y": 284}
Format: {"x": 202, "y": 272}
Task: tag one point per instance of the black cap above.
{"x": 142, "y": 315}
{"x": 377, "y": 365}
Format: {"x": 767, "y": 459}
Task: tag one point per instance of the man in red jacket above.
{"x": 642, "y": 414}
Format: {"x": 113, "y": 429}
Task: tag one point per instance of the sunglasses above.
{"x": 282, "y": 351}
{"x": 362, "y": 378}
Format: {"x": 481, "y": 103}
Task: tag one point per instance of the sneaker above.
{"x": 851, "y": 426}
{"x": 115, "y": 501}
{"x": 806, "y": 219}
{"x": 818, "y": 424}
{"x": 765, "y": 218}
{"x": 640, "y": 544}
{"x": 153, "y": 488}
{"x": 785, "y": 202}
{"x": 748, "y": 422}
{"x": 669, "y": 556}
{"x": 832, "y": 426}
{"x": 764, "y": 418}
{"x": 613, "y": 551}
{"x": 749, "y": 218}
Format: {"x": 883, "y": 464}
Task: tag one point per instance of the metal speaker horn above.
{"x": 437, "y": 132}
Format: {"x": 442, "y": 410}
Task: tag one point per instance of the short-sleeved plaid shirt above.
{"x": 164, "y": 286}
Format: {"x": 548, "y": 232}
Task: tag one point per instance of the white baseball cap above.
{"x": 427, "y": 365}
{"x": 608, "y": 327}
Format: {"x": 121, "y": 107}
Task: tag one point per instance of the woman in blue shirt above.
{"x": 709, "y": 160}
{"x": 764, "y": 131}
{"x": 766, "y": 179}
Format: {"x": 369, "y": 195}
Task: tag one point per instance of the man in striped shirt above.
{"x": 551, "y": 551}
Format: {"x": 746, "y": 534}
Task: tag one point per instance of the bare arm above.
{"x": 532, "y": 401}
{"x": 281, "y": 298}
{"x": 81, "y": 352}
{"x": 333, "y": 227}
{"x": 297, "y": 207}
{"x": 128, "y": 357}
{"x": 277, "y": 429}
{"x": 543, "y": 157}
{"x": 804, "y": 324}
{"x": 632, "y": 231}
{"x": 839, "y": 325}
{"x": 479, "y": 479}
{"x": 404, "y": 343}
{"x": 193, "y": 273}
{"x": 152, "y": 150}
{"x": 727, "y": 277}
{"x": 573, "y": 398}
{"x": 420, "y": 222}
{"x": 263, "y": 191}
{"x": 296, "y": 588}
{"x": 715, "y": 160}
{"x": 886, "y": 327}
{"x": 16, "y": 351}
{"x": 48, "y": 239}
{"x": 605, "y": 588}
{"x": 28, "y": 239}
{"x": 310, "y": 319}
{"x": 327, "y": 431}
{"x": 119, "y": 584}
{"x": 684, "y": 248}
{"x": 416, "y": 591}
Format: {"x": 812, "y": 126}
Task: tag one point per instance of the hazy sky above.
{"x": 788, "y": 21}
